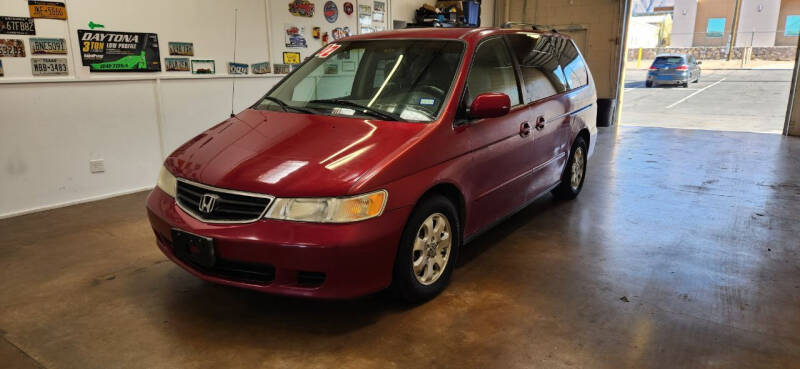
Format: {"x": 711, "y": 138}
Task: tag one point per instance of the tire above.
{"x": 420, "y": 246}
{"x": 648, "y": 84}
{"x": 686, "y": 84}
{"x": 572, "y": 178}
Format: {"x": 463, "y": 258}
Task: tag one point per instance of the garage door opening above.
{"x": 687, "y": 69}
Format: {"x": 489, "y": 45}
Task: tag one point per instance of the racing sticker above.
{"x": 47, "y": 9}
{"x": 49, "y": 66}
{"x": 237, "y": 68}
{"x": 328, "y": 50}
{"x": 12, "y": 48}
{"x": 260, "y": 68}
{"x": 106, "y": 51}
{"x": 176, "y": 64}
{"x": 48, "y": 45}
{"x": 17, "y": 26}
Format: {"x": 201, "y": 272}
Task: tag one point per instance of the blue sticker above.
{"x": 427, "y": 101}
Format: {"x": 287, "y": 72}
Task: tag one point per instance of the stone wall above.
{"x": 786, "y": 53}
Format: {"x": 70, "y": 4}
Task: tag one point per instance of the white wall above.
{"x": 641, "y": 34}
{"x": 683, "y": 24}
{"x": 51, "y": 127}
{"x": 757, "y": 27}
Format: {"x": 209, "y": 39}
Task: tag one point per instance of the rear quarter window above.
{"x": 574, "y": 66}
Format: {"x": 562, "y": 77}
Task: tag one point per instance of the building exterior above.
{"x": 762, "y": 23}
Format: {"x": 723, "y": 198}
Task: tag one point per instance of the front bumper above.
{"x": 353, "y": 259}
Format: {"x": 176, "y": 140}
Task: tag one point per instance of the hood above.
{"x": 286, "y": 154}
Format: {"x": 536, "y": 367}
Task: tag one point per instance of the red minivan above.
{"x": 376, "y": 160}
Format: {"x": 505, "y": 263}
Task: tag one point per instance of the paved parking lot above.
{"x": 727, "y": 100}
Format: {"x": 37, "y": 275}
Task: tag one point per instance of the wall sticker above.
{"x": 301, "y": 8}
{"x": 331, "y": 11}
{"x": 105, "y": 51}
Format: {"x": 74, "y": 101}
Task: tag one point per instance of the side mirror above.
{"x": 490, "y": 105}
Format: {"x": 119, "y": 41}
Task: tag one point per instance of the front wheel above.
{"x": 428, "y": 249}
{"x": 574, "y": 173}
{"x": 648, "y": 84}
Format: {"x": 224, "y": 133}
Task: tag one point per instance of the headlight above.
{"x": 167, "y": 182}
{"x": 329, "y": 210}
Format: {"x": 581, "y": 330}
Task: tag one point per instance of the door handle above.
{"x": 539, "y": 123}
{"x": 525, "y": 129}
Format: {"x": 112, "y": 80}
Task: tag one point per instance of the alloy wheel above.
{"x": 578, "y": 162}
{"x": 431, "y": 249}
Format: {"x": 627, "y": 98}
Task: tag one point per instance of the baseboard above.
{"x": 74, "y": 202}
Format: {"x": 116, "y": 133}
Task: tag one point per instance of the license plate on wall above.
{"x": 12, "y": 48}
{"x": 49, "y": 66}
{"x": 48, "y": 45}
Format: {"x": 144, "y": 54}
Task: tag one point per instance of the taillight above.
{"x": 653, "y": 68}
{"x": 682, "y": 67}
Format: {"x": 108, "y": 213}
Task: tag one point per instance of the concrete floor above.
{"x": 723, "y": 100}
{"x": 681, "y": 252}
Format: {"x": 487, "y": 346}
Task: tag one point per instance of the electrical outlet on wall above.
{"x": 97, "y": 166}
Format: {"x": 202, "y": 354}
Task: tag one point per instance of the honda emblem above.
{"x": 207, "y": 202}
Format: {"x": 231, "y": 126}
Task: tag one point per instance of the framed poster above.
{"x": 47, "y": 9}
{"x": 17, "y": 26}
{"x": 203, "y": 67}
{"x": 107, "y": 51}
{"x": 291, "y": 57}
{"x": 48, "y": 46}
{"x": 260, "y": 68}
{"x": 177, "y": 64}
{"x": 181, "y": 48}
{"x": 237, "y": 68}
{"x": 49, "y": 66}
{"x": 12, "y": 48}
{"x": 281, "y": 68}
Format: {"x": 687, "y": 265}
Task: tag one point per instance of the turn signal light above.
{"x": 682, "y": 67}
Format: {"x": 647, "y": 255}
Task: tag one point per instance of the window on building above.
{"x": 716, "y": 27}
{"x": 792, "y": 26}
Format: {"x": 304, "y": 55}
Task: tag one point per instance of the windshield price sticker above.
{"x": 328, "y": 50}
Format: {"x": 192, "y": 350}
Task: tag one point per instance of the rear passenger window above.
{"x": 493, "y": 71}
{"x": 537, "y": 56}
{"x": 574, "y": 66}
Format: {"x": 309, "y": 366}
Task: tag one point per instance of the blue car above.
{"x": 673, "y": 69}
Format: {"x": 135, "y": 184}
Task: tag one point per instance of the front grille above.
{"x": 228, "y": 206}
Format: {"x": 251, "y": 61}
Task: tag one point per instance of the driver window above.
{"x": 493, "y": 71}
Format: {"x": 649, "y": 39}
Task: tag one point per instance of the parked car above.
{"x": 339, "y": 187}
{"x": 673, "y": 69}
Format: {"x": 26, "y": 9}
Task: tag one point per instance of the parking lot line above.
{"x": 695, "y": 93}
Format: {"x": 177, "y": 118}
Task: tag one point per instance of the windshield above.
{"x": 403, "y": 80}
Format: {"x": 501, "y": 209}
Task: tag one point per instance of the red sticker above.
{"x": 328, "y": 50}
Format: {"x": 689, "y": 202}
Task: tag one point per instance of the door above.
{"x": 501, "y": 146}
{"x": 544, "y": 86}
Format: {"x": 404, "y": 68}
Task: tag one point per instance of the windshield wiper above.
{"x": 285, "y": 107}
{"x": 364, "y": 109}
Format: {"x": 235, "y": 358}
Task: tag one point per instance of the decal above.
{"x": 12, "y": 48}
{"x": 293, "y": 36}
{"x": 237, "y": 68}
{"x": 49, "y": 66}
{"x": 48, "y": 45}
{"x": 260, "y": 68}
{"x": 176, "y": 64}
{"x": 47, "y": 9}
{"x": 315, "y": 32}
{"x": 17, "y": 26}
{"x": 330, "y": 11}
{"x": 281, "y": 68}
{"x": 290, "y": 57}
{"x": 340, "y": 33}
{"x": 348, "y": 8}
{"x": 201, "y": 66}
{"x": 328, "y": 50}
{"x": 181, "y": 48}
{"x": 301, "y": 8}
{"x": 106, "y": 51}
{"x": 427, "y": 101}
{"x": 343, "y": 111}
{"x": 93, "y": 25}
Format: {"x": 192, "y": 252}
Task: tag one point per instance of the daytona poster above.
{"x": 106, "y": 51}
